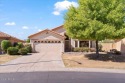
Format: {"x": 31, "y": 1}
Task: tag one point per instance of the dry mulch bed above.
{"x": 6, "y": 58}
{"x": 89, "y": 60}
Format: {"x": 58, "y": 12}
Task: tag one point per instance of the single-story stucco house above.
{"x": 4, "y": 36}
{"x": 56, "y": 40}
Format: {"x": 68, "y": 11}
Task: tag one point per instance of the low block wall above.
{"x": 108, "y": 46}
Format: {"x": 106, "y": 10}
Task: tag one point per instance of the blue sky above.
{"x": 21, "y": 18}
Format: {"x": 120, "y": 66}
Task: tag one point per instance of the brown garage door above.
{"x": 48, "y": 46}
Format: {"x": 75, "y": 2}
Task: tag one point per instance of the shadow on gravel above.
{"x": 106, "y": 57}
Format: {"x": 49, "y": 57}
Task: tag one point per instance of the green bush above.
{"x": 12, "y": 51}
{"x": 5, "y": 44}
{"x": 81, "y": 49}
{"x": 20, "y": 45}
{"x": 29, "y": 48}
{"x": 28, "y": 40}
{"x": 23, "y": 51}
{"x": 15, "y": 44}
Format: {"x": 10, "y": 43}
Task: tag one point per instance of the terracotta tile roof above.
{"x": 57, "y": 28}
{"x": 17, "y": 39}
{"x": 4, "y": 35}
{"x": 46, "y": 31}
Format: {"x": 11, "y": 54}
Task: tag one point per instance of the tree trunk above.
{"x": 97, "y": 49}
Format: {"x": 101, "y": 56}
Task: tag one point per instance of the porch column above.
{"x": 78, "y": 43}
{"x": 89, "y": 44}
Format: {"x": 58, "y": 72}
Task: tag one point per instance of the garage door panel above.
{"x": 48, "y": 47}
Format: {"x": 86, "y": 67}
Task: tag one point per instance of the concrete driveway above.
{"x": 34, "y": 62}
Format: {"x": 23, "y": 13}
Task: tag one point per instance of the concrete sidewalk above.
{"x": 61, "y": 77}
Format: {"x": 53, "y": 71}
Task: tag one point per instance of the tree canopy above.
{"x": 96, "y": 20}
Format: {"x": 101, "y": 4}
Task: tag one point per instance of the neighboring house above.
{"x": 56, "y": 40}
{"x": 4, "y": 36}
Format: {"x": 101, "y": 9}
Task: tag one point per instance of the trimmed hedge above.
{"x": 81, "y": 49}
{"x": 12, "y": 51}
{"x": 20, "y": 45}
{"x": 84, "y": 49}
{"x": 5, "y": 44}
{"x": 29, "y": 48}
{"x": 23, "y": 51}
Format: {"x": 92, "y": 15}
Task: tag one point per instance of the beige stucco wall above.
{"x": 108, "y": 46}
{"x": 118, "y": 45}
{"x": 123, "y": 46}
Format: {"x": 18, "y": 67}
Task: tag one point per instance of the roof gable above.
{"x": 57, "y": 28}
{"x": 46, "y": 31}
{"x": 60, "y": 30}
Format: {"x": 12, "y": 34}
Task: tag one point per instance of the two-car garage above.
{"x": 47, "y": 41}
{"x": 48, "y": 46}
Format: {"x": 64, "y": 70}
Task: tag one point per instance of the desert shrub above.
{"x": 29, "y": 48}
{"x": 12, "y": 51}
{"x": 115, "y": 51}
{"x": 20, "y": 45}
{"x": 81, "y": 49}
{"x": 5, "y": 44}
{"x": 23, "y": 51}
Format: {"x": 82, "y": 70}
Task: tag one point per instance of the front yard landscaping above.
{"x": 12, "y": 51}
{"x": 81, "y": 60}
{"x": 7, "y": 58}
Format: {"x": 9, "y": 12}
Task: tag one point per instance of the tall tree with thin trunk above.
{"x": 96, "y": 20}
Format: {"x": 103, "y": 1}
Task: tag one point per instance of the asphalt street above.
{"x": 61, "y": 77}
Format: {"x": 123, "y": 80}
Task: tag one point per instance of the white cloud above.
{"x": 10, "y": 23}
{"x": 25, "y": 27}
{"x": 63, "y": 5}
{"x": 39, "y": 30}
{"x": 56, "y": 13}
